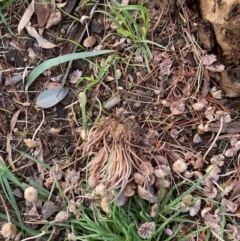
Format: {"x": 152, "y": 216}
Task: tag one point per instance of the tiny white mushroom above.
{"x": 179, "y": 166}
{"x": 31, "y": 194}
{"x": 9, "y": 230}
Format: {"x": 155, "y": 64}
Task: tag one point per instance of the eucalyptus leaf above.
{"x": 51, "y": 97}
{"x": 59, "y": 60}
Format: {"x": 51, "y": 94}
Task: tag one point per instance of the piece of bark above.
{"x": 230, "y": 82}
{"x": 228, "y": 128}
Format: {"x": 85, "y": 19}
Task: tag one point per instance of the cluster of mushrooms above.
{"x": 124, "y": 162}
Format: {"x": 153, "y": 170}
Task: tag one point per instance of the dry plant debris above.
{"x": 172, "y": 124}
{"x": 123, "y": 160}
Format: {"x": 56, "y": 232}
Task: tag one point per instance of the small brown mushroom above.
{"x": 89, "y": 42}
{"x": 146, "y": 230}
{"x": 129, "y": 189}
{"x": 138, "y": 178}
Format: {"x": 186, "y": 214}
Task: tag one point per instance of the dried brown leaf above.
{"x": 43, "y": 10}
{"x": 229, "y": 205}
{"x": 26, "y": 17}
{"x": 54, "y": 18}
{"x": 43, "y": 43}
{"x": 177, "y": 107}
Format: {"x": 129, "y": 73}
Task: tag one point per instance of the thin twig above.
{"x": 215, "y": 139}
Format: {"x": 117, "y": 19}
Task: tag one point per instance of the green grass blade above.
{"x": 6, "y": 5}
{"x": 59, "y": 60}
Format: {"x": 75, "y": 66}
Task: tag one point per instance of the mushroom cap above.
{"x": 31, "y": 194}
{"x": 146, "y": 168}
{"x": 146, "y": 229}
{"x": 100, "y": 189}
{"x": 89, "y": 42}
{"x": 129, "y": 191}
{"x": 179, "y": 166}
{"x": 138, "y": 178}
{"x": 9, "y": 230}
{"x": 213, "y": 171}
{"x": 153, "y": 210}
{"x": 104, "y": 205}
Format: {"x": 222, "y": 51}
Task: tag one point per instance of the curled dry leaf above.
{"x": 43, "y": 43}
{"x": 89, "y": 42}
{"x": 26, "y": 17}
{"x": 146, "y": 230}
{"x": 31, "y": 143}
{"x": 177, "y": 107}
{"x": 229, "y": 205}
{"x": 54, "y": 18}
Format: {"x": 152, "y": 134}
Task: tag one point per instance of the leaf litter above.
{"x": 137, "y": 134}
